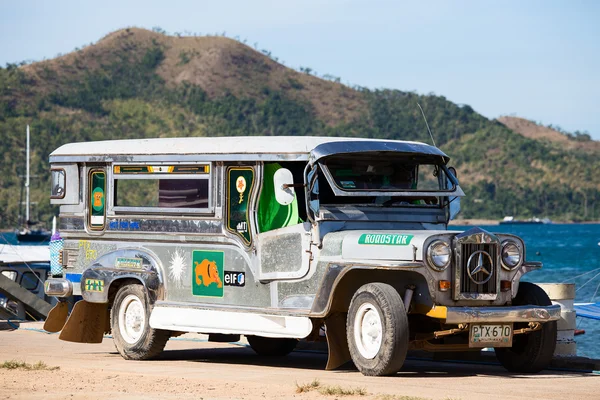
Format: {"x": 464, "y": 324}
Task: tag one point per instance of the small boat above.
{"x": 26, "y": 234}
{"x": 510, "y": 220}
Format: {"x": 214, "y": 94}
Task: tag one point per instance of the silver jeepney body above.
{"x": 275, "y": 283}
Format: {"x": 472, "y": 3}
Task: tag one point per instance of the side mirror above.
{"x": 284, "y": 181}
{"x": 454, "y": 201}
{"x": 453, "y": 172}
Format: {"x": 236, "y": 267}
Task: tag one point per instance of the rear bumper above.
{"x": 460, "y": 315}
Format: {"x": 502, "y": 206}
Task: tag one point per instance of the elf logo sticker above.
{"x": 234, "y": 278}
{"x": 207, "y": 273}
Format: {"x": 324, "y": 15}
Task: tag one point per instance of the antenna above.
{"x": 430, "y": 134}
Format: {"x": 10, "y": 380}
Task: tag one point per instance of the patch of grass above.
{"x": 307, "y": 387}
{"x": 340, "y": 391}
{"x": 38, "y": 366}
{"x": 401, "y": 397}
{"x": 329, "y": 390}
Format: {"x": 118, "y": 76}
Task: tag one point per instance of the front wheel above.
{"x": 377, "y": 330}
{"x": 132, "y": 334}
{"x": 530, "y": 352}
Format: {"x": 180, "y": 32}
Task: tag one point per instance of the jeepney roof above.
{"x": 239, "y": 148}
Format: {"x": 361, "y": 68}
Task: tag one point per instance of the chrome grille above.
{"x": 466, "y": 284}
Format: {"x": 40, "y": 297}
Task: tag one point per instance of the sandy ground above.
{"x": 191, "y": 368}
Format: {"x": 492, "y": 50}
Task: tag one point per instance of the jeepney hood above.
{"x": 387, "y": 245}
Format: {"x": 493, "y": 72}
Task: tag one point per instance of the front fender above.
{"x": 527, "y": 267}
{"x": 342, "y": 280}
{"x": 140, "y": 265}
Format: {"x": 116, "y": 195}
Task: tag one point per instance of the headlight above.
{"x": 439, "y": 255}
{"x": 511, "y": 255}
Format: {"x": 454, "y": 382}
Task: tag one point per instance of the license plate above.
{"x": 491, "y": 335}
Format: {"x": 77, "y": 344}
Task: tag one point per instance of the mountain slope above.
{"x": 135, "y": 83}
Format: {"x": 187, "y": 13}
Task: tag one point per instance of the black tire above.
{"x": 531, "y": 352}
{"x": 272, "y": 347}
{"x": 146, "y": 342}
{"x": 388, "y": 358}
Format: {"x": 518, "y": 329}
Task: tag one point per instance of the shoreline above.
{"x": 481, "y": 221}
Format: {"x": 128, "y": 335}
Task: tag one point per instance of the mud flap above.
{"x": 87, "y": 323}
{"x": 337, "y": 342}
{"x": 57, "y": 317}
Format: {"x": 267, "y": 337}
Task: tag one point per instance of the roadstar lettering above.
{"x": 392, "y": 239}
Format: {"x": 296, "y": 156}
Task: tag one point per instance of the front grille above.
{"x": 466, "y": 284}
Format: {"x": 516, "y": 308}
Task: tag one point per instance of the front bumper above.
{"x": 461, "y": 315}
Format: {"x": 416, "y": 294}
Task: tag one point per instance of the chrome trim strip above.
{"x": 457, "y": 315}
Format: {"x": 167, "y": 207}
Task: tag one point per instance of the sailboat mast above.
{"x": 27, "y": 181}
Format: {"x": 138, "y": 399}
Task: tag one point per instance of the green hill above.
{"x": 135, "y": 83}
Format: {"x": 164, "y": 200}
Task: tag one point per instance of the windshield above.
{"x": 386, "y": 173}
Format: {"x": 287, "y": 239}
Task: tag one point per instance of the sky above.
{"x": 537, "y": 59}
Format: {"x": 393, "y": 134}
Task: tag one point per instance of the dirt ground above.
{"x": 191, "y": 368}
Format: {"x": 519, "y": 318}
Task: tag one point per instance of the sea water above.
{"x": 567, "y": 251}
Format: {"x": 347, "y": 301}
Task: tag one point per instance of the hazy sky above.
{"x": 536, "y": 59}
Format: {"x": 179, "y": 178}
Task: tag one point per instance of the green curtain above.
{"x": 271, "y": 214}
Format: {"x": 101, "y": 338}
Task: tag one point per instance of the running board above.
{"x": 229, "y": 322}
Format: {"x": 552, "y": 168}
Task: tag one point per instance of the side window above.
{"x": 97, "y": 199}
{"x": 162, "y": 188}
{"x": 240, "y": 184}
{"x": 58, "y": 188}
{"x": 29, "y": 280}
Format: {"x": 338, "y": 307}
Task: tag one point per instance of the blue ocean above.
{"x": 570, "y": 253}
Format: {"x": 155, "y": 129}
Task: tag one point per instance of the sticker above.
{"x": 128, "y": 263}
{"x": 94, "y": 285}
{"x": 177, "y": 267}
{"x": 207, "y": 273}
{"x": 162, "y": 169}
{"x": 98, "y": 199}
{"x": 240, "y": 180}
{"x": 348, "y": 184}
{"x": 97, "y": 185}
{"x": 90, "y": 254}
{"x": 392, "y": 239}
{"x": 233, "y": 278}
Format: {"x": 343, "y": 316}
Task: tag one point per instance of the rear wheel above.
{"x": 530, "y": 352}
{"x": 377, "y": 329}
{"x": 132, "y": 334}
{"x": 272, "y": 347}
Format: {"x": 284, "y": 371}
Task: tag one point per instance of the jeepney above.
{"x": 279, "y": 238}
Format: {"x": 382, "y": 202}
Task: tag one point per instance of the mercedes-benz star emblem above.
{"x": 476, "y": 264}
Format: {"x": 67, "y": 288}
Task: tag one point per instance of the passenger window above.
{"x": 240, "y": 184}
{"x": 29, "y": 280}
{"x": 58, "y": 183}
{"x": 97, "y": 199}
{"x": 162, "y": 188}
